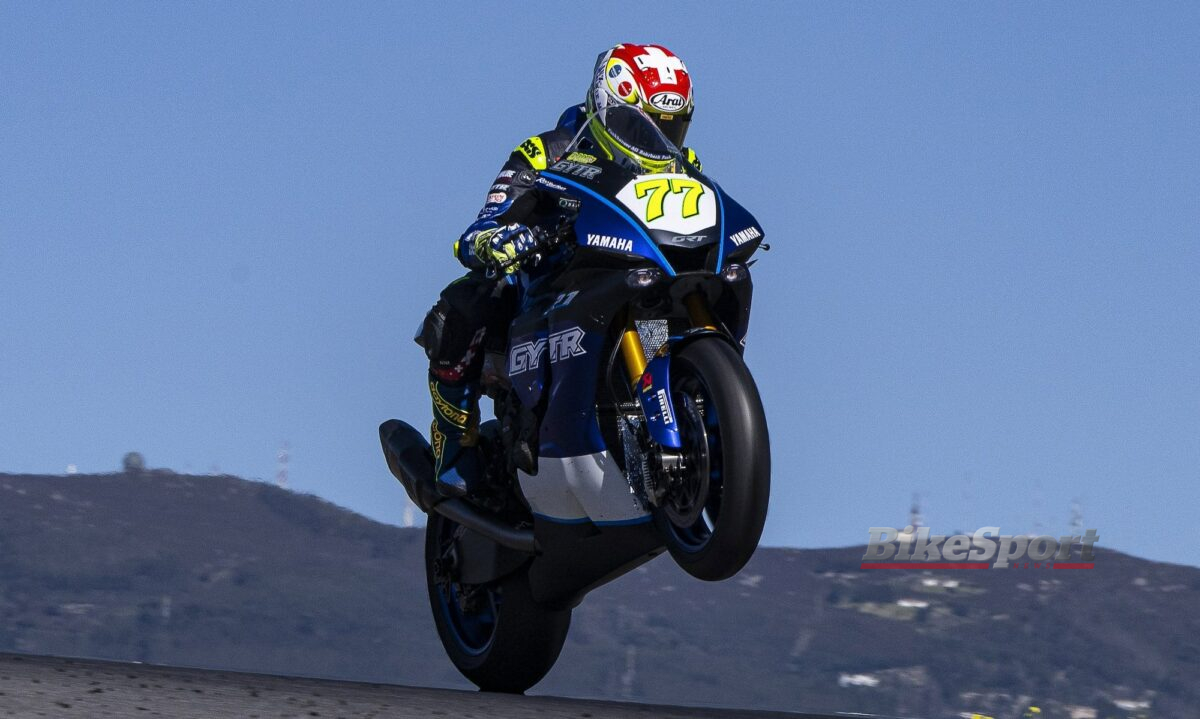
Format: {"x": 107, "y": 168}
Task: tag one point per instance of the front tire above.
{"x": 497, "y": 636}
{"x": 712, "y": 519}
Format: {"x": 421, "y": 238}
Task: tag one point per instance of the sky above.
{"x": 221, "y": 223}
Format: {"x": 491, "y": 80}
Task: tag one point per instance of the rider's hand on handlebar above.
{"x": 501, "y": 246}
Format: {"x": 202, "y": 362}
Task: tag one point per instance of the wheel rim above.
{"x": 468, "y": 612}
{"x": 694, "y": 506}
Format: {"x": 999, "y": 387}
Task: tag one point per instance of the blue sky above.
{"x": 220, "y": 224}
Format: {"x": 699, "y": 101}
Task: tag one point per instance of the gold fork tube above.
{"x": 698, "y": 311}
{"x": 632, "y": 353}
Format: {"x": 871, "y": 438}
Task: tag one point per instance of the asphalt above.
{"x": 55, "y": 687}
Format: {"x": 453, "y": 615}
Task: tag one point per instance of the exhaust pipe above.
{"x": 467, "y": 515}
{"x": 411, "y": 461}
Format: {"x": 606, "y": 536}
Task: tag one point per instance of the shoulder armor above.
{"x": 693, "y": 159}
{"x": 534, "y": 152}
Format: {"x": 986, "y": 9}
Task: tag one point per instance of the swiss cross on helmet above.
{"x": 650, "y": 77}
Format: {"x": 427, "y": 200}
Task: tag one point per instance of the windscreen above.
{"x": 633, "y": 128}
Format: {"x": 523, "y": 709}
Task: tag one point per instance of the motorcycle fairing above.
{"x": 565, "y": 332}
{"x": 734, "y": 231}
{"x": 740, "y": 233}
{"x": 576, "y": 558}
{"x": 670, "y": 202}
{"x": 588, "y": 487}
{"x": 578, "y": 479}
{"x": 526, "y": 359}
{"x": 600, "y": 219}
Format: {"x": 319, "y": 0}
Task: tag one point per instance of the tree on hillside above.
{"x": 133, "y": 463}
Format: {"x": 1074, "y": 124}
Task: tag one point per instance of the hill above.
{"x": 215, "y": 571}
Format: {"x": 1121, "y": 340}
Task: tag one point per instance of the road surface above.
{"x": 63, "y": 688}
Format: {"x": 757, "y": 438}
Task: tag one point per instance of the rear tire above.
{"x": 724, "y": 429}
{"x": 509, "y": 641}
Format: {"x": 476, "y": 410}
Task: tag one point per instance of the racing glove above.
{"x": 500, "y": 246}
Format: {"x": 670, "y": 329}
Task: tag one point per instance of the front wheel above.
{"x": 712, "y": 515}
{"x": 496, "y": 635}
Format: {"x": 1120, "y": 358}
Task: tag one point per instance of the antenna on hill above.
{"x": 909, "y": 533}
{"x": 1076, "y": 517}
{"x": 1037, "y": 512}
{"x": 281, "y": 474}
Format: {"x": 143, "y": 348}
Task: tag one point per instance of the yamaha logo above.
{"x": 610, "y": 243}
{"x": 668, "y": 101}
{"x": 743, "y": 236}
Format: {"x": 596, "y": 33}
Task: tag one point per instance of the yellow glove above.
{"x": 500, "y": 246}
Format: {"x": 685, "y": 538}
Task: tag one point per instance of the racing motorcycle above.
{"x": 626, "y": 422}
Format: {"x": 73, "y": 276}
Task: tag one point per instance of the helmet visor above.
{"x": 675, "y": 127}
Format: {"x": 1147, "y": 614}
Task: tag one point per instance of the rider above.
{"x": 646, "y": 76}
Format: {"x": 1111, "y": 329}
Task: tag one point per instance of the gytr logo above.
{"x": 891, "y": 549}
{"x": 578, "y": 169}
{"x": 563, "y": 344}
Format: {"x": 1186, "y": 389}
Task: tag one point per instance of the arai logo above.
{"x": 668, "y": 101}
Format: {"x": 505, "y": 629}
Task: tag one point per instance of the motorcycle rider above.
{"x": 649, "y": 77}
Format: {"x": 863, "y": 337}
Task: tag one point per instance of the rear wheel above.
{"x": 496, "y": 635}
{"x": 712, "y": 514}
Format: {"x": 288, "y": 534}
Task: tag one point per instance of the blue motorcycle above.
{"x": 626, "y": 420}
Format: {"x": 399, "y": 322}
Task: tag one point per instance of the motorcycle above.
{"x": 626, "y": 420}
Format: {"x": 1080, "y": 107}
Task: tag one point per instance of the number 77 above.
{"x": 658, "y": 188}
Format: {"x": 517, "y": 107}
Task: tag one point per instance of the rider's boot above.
{"x": 453, "y": 436}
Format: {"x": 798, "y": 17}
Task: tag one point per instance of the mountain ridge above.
{"x": 215, "y": 571}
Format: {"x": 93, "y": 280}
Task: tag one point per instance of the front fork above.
{"x": 651, "y": 380}
{"x": 634, "y": 354}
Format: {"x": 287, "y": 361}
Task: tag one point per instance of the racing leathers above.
{"x": 475, "y": 305}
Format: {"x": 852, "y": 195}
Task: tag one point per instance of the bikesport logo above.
{"x": 890, "y": 548}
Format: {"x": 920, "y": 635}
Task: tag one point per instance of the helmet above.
{"x": 650, "y": 78}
